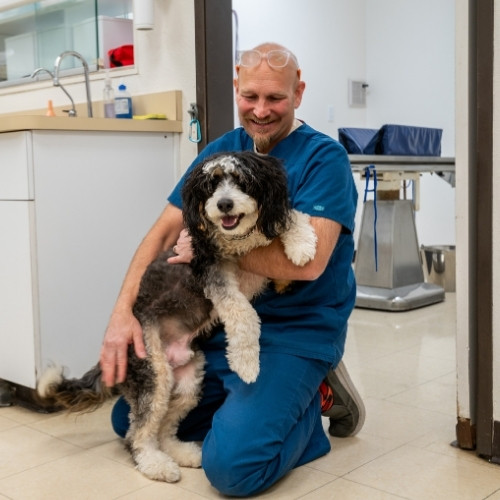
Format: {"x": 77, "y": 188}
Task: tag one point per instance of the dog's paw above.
{"x": 245, "y": 363}
{"x": 300, "y": 240}
{"x": 158, "y": 466}
{"x": 186, "y": 454}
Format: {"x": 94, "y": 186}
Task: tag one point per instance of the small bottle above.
{"x": 108, "y": 98}
{"x": 50, "y": 109}
{"x": 123, "y": 103}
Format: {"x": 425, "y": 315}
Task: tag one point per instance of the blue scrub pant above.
{"x": 253, "y": 434}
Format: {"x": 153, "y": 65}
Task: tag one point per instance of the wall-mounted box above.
{"x": 111, "y": 33}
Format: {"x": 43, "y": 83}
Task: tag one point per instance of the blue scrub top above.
{"x": 310, "y": 319}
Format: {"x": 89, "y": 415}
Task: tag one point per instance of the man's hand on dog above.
{"x": 182, "y": 249}
{"x": 123, "y": 329}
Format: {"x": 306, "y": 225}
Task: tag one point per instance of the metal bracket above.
{"x": 193, "y": 111}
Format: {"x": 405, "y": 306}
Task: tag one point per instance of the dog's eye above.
{"x": 239, "y": 180}
{"x": 214, "y": 180}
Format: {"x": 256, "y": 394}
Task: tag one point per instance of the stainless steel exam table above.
{"x": 394, "y": 280}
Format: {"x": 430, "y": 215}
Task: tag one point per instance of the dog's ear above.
{"x": 194, "y": 194}
{"x": 195, "y": 191}
{"x": 269, "y": 187}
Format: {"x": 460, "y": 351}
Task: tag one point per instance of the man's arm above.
{"x": 272, "y": 262}
{"x": 123, "y": 328}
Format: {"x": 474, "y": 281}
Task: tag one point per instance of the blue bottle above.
{"x": 123, "y": 103}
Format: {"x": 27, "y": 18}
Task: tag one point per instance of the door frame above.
{"x": 214, "y": 68}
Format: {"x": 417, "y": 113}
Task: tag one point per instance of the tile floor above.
{"x": 404, "y": 366}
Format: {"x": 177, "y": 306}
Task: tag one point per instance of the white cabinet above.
{"x": 73, "y": 208}
{"x": 16, "y": 167}
{"x": 17, "y": 310}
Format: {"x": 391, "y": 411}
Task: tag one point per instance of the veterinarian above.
{"x": 253, "y": 434}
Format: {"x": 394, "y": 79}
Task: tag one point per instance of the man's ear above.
{"x": 299, "y": 92}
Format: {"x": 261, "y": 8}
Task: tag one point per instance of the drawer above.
{"x": 16, "y": 166}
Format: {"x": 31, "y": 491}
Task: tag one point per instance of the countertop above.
{"x": 39, "y": 122}
{"x": 168, "y": 103}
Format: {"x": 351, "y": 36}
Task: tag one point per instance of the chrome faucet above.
{"x": 72, "y": 111}
{"x": 55, "y": 78}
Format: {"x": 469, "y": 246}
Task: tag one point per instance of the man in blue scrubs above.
{"x": 253, "y": 434}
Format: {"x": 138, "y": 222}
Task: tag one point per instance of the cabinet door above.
{"x": 16, "y": 174}
{"x": 97, "y": 194}
{"x": 17, "y": 324}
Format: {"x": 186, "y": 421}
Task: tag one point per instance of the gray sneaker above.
{"x": 347, "y": 415}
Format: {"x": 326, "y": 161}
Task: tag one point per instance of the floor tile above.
{"x": 351, "y": 453}
{"x": 419, "y": 474}
{"x": 416, "y": 367}
{"x": 400, "y": 423}
{"x": 298, "y": 483}
{"x": 348, "y": 490}
{"x": 7, "y": 423}
{"x": 162, "y": 491}
{"x": 24, "y": 448}
{"x": 436, "y": 395}
{"x": 114, "y": 450}
{"x": 86, "y": 430}
{"x": 76, "y": 477}
{"x": 22, "y": 415}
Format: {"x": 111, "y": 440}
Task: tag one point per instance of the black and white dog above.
{"x": 233, "y": 203}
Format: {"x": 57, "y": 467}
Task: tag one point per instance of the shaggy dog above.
{"x": 232, "y": 203}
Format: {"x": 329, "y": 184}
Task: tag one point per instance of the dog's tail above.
{"x": 81, "y": 395}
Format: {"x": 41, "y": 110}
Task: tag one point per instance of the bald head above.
{"x": 268, "y": 90}
{"x": 275, "y": 56}
{"x": 265, "y": 48}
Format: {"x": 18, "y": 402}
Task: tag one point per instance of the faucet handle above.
{"x": 71, "y": 112}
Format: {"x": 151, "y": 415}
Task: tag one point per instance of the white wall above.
{"x": 328, "y": 38}
{"x": 404, "y": 49}
{"x": 165, "y": 60}
{"x": 410, "y": 54}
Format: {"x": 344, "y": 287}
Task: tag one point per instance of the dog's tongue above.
{"x": 229, "y": 221}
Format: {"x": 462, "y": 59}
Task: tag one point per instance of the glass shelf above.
{"x": 34, "y": 34}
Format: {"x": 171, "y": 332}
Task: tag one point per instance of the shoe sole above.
{"x": 350, "y": 389}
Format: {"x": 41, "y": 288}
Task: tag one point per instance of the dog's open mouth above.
{"x": 231, "y": 221}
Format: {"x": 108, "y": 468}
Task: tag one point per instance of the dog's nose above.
{"x": 225, "y": 205}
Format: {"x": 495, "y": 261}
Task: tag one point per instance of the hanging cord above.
{"x": 368, "y": 172}
{"x": 407, "y": 184}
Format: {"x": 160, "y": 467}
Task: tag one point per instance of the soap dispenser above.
{"x": 108, "y": 98}
{"x": 123, "y": 103}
